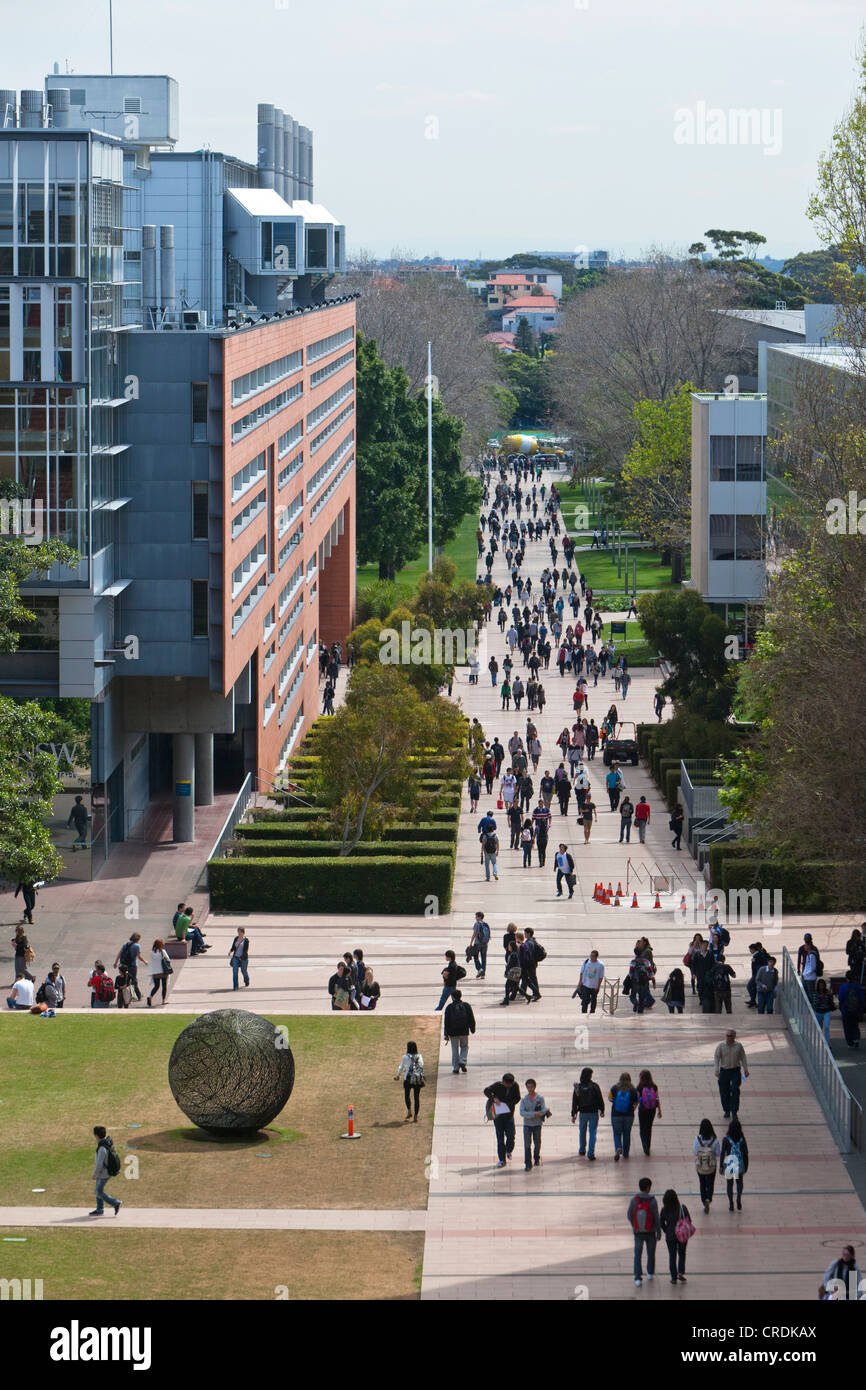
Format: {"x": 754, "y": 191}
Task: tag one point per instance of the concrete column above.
{"x": 183, "y": 806}
{"x": 204, "y": 769}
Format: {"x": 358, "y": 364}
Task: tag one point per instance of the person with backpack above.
{"x": 458, "y": 1023}
{"x": 122, "y": 988}
{"x": 411, "y": 1072}
{"x": 626, "y": 811}
{"x": 502, "y": 1098}
{"x": 527, "y": 839}
{"x": 648, "y": 1107}
{"x": 614, "y": 783}
{"x": 766, "y": 984}
{"x": 676, "y": 1226}
{"x": 719, "y": 981}
{"x": 101, "y": 987}
{"x": 513, "y": 974}
{"x": 564, "y": 870}
{"x": 589, "y": 984}
{"x": 707, "y": 1151}
{"x": 533, "y": 1112}
{"x": 759, "y": 958}
{"x": 474, "y": 788}
{"x": 851, "y": 1001}
{"x": 489, "y": 853}
{"x": 730, "y": 1056}
{"x": 106, "y": 1166}
{"x": 587, "y": 1106}
{"x": 674, "y": 992}
{"x": 451, "y": 973}
{"x": 812, "y": 968}
{"x": 855, "y": 950}
{"x": 129, "y": 956}
{"x": 824, "y": 1004}
{"x": 643, "y": 1216}
{"x": 53, "y": 989}
{"x": 160, "y": 969}
{"x": 340, "y": 987}
{"x": 623, "y": 1098}
{"x": 488, "y": 771}
{"x": 638, "y": 985}
{"x": 541, "y": 828}
{"x": 735, "y": 1162}
{"x": 530, "y": 953}
{"x": 478, "y": 944}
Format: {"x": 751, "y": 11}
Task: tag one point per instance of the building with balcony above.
{"x": 177, "y": 400}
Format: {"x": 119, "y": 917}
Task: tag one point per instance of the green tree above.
{"x": 680, "y": 626}
{"x": 28, "y": 785}
{"x": 524, "y": 339}
{"x": 657, "y": 472}
{"x": 392, "y": 467}
{"x": 529, "y": 380}
{"x": 366, "y": 775}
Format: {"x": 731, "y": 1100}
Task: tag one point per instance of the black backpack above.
{"x": 126, "y": 954}
{"x": 719, "y": 978}
{"x": 458, "y": 1020}
{"x": 540, "y": 953}
{"x": 41, "y": 997}
{"x": 112, "y": 1159}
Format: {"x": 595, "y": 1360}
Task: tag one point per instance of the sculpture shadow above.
{"x": 187, "y": 1138}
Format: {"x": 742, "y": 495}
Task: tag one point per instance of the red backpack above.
{"x": 104, "y": 989}
{"x": 642, "y": 1217}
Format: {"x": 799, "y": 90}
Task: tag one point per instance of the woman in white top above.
{"x": 706, "y": 1151}
{"x": 158, "y": 969}
{"x": 411, "y": 1072}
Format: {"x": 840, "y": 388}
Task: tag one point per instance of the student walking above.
{"x": 591, "y": 977}
{"x": 106, "y": 1166}
{"x": 160, "y": 969}
{"x": 649, "y": 1106}
{"x": 28, "y": 897}
{"x": 676, "y": 1227}
{"x": 626, "y": 811}
{"x": 411, "y": 1073}
{"x": 564, "y": 870}
{"x": 588, "y": 812}
{"x": 642, "y": 817}
{"x": 643, "y": 1216}
{"x": 513, "y": 974}
{"x": 451, "y": 973}
{"x": 623, "y": 1098}
{"x": 587, "y": 1106}
{"x": 735, "y": 1162}
{"x": 533, "y": 1113}
{"x": 674, "y": 992}
{"x": 458, "y": 1023}
{"x": 730, "y": 1056}
{"x": 676, "y": 825}
{"x": 851, "y": 1004}
{"x": 239, "y": 954}
{"x": 502, "y": 1098}
{"x": 824, "y": 1004}
{"x": 766, "y": 984}
{"x": 478, "y": 944}
{"x": 129, "y": 956}
{"x": 707, "y": 1151}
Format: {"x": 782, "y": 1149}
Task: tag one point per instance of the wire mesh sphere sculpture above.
{"x": 231, "y": 1071}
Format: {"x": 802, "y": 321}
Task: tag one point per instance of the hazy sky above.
{"x": 555, "y": 125}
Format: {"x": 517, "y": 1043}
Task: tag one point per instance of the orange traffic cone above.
{"x": 657, "y": 903}
{"x": 609, "y": 890}
{"x": 619, "y": 889}
{"x": 616, "y": 901}
{"x": 595, "y": 893}
{"x": 606, "y": 897}
{"x": 634, "y": 900}
{"x": 683, "y": 907}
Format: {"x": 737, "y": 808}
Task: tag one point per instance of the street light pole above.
{"x": 430, "y": 456}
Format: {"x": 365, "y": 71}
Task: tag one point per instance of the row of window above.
{"x": 291, "y": 588}
{"x": 336, "y": 458}
{"x": 248, "y": 566}
{"x": 294, "y": 539}
{"x": 323, "y": 373}
{"x": 249, "y": 474}
{"x": 291, "y": 736}
{"x": 288, "y": 440}
{"x": 332, "y": 487}
{"x": 324, "y": 346}
{"x": 288, "y": 514}
{"x": 736, "y": 458}
{"x": 247, "y": 423}
{"x": 290, "y": 470}
{"x": 290, "y": 663}
{"x": 250, "y": 512}
{"x": 290, "y": 621}
{"x": 291, "y": 693}
{"x": 241, "y": 614}
{"x": 331, "y": 428}
{"x": 267, "y": 375}
{"x": 325, "y": 407}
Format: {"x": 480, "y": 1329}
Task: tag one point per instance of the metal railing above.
{"x": 609, "y": 996}
{"x": 234, "y": 817}
{"x": 700, "y": 784}
{"x": 843, "y": 1113}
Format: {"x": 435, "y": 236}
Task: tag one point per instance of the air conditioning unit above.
{"x": 194, "y": 318}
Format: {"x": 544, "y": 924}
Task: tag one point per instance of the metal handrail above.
{"x": 235, "y": 815}
{"x": 843, "y": 1113}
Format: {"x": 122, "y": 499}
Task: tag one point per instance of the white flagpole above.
{"x": 430, "y": 455}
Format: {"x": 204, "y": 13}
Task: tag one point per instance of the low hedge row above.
{"x": 804, "y": 885}
{"x": 382, "y": 884}
{"x": 313, "y": 830}
{"x": 267, "y": 849}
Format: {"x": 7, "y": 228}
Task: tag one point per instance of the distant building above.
{"x": 410, "y": 270}
{"x": 540, "y": 311}
{"x": 503, "y": 341}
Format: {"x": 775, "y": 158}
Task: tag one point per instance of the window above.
{"x": 290, "y": 470}
{"x": 270, "y": 702}
{"x": 285, "y": 245}
{"x": 749, "y": 530}
{"x": 288, "y": 440}
{"x": 722, "y": 458}
{"x": 269, "y": 657}
{"x": 750, "y": 458}
{"x": 241, "y": 614}
{"x": 324, "y": 372}
{"x": 267, "y": 375}
{"x": 247, "y": 567}
{"x": 331, "y": 428}
{"x": 721, "y": 538}
{"x": 199, "y": 608}
{"x": 250, "y": 511}
{"x": 248, "y": 475}
{"x": 294, "y": 539}
{"x": 332, "y": 486}
{"x": 291, "y": 588}
{"x": 199, "y": 412}
{"x": 199, "y": 512}
{"x": 288, "y": 513}
{"x": 263, "y": 412}
{"x": 324, "y": 346}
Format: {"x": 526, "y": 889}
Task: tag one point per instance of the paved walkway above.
{"x": 227, "y": 1219}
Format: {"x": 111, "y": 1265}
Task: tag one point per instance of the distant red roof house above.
{"x": 531, "y": 301}
{"x": 503, "y": 341}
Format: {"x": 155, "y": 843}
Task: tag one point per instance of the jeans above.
{"x": 447, "y": 991}
{"x": 621, "y": 1125}
{"x": 196, "y": 939}
{"x": 479, "y": 955}
{"x": 588, "y": 999}
{"x": 645, "y": 1120}
{"x": 722, "y": 1000}
{"x": 529, "y": 980}
{"x": 13, "y": 1004}
{"x": 587, "y": 1120}
{"x": 811, "y": 988}
{"x": 459, "y": 1051}
{"x": 644, "y": 1239}
{"x": 765, "y": 1001}
{"x": 707, "y": 1183}
{"x": 504, "y": 1126}
{"x": 569, "y": 878}
{"x": 527, "y": 856}
{"x": 408, "y": 1088}
{"x": 614, "y": 794}
{"x": 729, "y": 1089}
{"x": 239, "y": 964}
{"x": 625, "y": 831}
{"x": 490, "y": 866}
{"x": 676, "y": 1257}
{"x": 824, "y": 1020}
{"x": 531, "y": 1140}
{"x": 102, "y": 1196}
{"x": 730, "y": 1187}
{"x": 641, "y": 830}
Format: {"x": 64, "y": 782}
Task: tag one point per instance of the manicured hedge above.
{"x": 672, "y": 786}
{"x": 288, "y": 813}
{"x": 384, "y": 884}
{"x": 728, "y": 849}
{"x": 280, "y": 848}
{"x": 312, "y": 830}
{"x": 805, "y": 885}
{"x": 644, "y": 731}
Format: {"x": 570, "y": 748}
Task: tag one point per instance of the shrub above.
{"x": 810, "y": 886}
{"x": 672, "y": 786}
{"x": 280, "y": 848}
{"x": 381, "y": 884}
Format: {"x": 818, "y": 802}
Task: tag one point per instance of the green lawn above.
{"x": 61, "y": 1077}
{"x": 463, "y": 550}
{"x": 601, "y": 573}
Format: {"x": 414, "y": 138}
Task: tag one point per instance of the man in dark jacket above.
{"x": 459, "y": 1022}
{"x": 587, "y": 1102}
{"x": 759, "y": 958}
{"x": 102, "y": 1172}
{"x": 502, "y": 1097}
{"x": 451, "y": 973}
{"x": 528, "y": 966}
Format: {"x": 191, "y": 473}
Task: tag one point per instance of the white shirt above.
{"x": 24, "y": 992}
{"x": 592, "y": 973}
{"x": 810, "y": 968}
{"x": 157, "y": 964}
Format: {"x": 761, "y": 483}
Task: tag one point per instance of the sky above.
{"x": 487, "y": 126}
